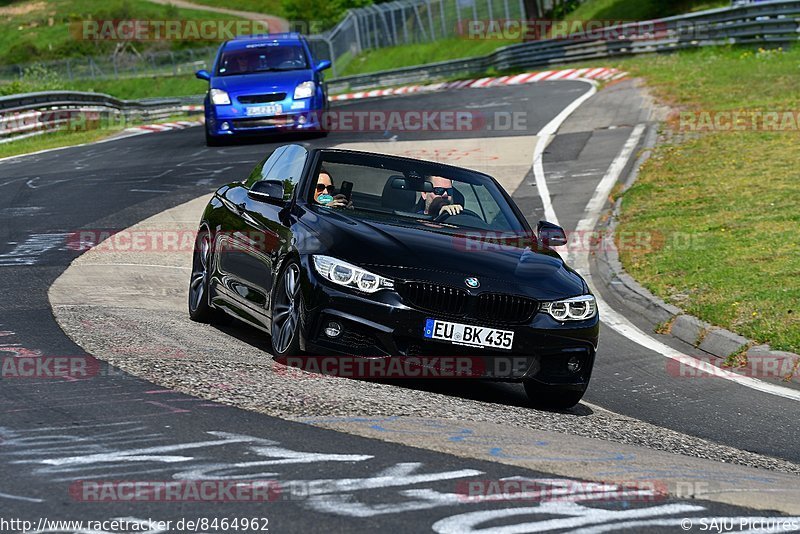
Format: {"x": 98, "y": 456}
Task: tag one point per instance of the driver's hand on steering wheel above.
{"x": 451, "y": 209}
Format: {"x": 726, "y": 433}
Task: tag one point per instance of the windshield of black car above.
{"x": 261, "y": 58}
{"x": 394, "y": 191}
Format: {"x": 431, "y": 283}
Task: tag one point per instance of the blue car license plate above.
{"x": 274, "y": 109}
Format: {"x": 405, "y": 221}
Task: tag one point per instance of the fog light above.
{"x": 333, "y": 329}
{"x": 302, "y": 119}
{"x": 225, "y": 126}
{"x": 574, "y": 364}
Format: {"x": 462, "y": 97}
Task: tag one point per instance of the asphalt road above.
{"x": 117, "y": 427}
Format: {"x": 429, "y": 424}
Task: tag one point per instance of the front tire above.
{"x": 286, "y": 308}
{"x": 212, "y": 140}
{"x": 553, "y": 397}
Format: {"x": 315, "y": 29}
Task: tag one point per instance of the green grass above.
{"x": 723, "y": 207}
{"x": 639, "y": 9}
{"x": 417, "y": 54}
{"x": 145, "y": 87}
{"x": 39, "y": 30}
{"x": 269, "y": 7}
{"x": 52, "y": 140}
{"x": 65, "y": 137}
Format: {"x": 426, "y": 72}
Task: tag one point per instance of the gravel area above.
{"x": 230, "y": 365}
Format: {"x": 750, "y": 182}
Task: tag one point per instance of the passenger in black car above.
{"x": 325, "y": 187}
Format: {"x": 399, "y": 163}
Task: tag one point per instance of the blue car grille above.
{"x": 277, "y": 120}
{"x": 261, "y": 99}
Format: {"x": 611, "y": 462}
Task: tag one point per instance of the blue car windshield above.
{"x": 262, "y": 58}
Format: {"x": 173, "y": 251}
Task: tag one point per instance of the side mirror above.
{"x": 267, "y": 191}
{"x": 202, "y": 75}
{"x": 322, "y": 65}
{"x": 551, "y": 235}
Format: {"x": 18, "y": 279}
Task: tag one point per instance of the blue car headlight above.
{"x": 574, "y": 309}
{"x": 219, "y": 97}
{"x": 344, "y": 274}
{"x": 305, "y": 90}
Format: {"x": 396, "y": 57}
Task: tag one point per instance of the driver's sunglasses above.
{"x": 323, "y": 187}
{"x": 440, "y": 191}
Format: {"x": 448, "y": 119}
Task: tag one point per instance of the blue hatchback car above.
{"x": 264, "y": 84}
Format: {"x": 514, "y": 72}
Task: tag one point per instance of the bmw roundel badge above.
{"x": 472, "y": 282}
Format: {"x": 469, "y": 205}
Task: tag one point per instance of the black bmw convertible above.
{"x": 353, "y": 254}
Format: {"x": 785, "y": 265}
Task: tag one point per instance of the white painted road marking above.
{"x": 35, "y": 245}
{"x": 544, "y": 136}
{"x": 579, "y": 260}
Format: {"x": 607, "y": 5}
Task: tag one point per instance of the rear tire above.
{"x": 199, "y": 309}
{"x": 286, "y": 313}
{"x": 553, "y": 397}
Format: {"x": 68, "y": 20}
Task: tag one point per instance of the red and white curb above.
{"x": 601, "y": 74}
{"x": 163, "y": 127}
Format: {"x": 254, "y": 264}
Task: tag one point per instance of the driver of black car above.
{"x": 440, "y": 200}
{"x": 324, "y": 192}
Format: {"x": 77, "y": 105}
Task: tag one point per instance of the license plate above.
{"x": 463, "y": 334}
{"x": 273, "y": 109}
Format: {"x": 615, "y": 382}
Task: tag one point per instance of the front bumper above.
{"x": 382, "y": 325}
{"x": 231, "y": 120}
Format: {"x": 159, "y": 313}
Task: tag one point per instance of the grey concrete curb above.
{"x": 665, "y": 317}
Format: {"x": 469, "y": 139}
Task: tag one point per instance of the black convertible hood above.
{"x": 400, "y": 252}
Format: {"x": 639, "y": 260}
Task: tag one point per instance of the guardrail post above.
{"x": 405, "y": 25}
{"x": 394, "y": 27}
{"x": 330, "y": 52}
{"x": 444, "y": 21}
{"x": 430, "y": 19}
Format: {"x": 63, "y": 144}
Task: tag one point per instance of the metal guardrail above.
{"x": 769, "y": 23}
{"x": 35, "y": 113}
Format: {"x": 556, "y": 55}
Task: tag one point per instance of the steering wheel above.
{"x": 444, "y": 215}
{"x": 290, "y": 64}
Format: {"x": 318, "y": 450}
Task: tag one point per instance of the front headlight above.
{"x": 574, "y": 309}
{"x": 342, "y": 273}
{"x": 304, "y": 90}
{"x": 219, "y": 97}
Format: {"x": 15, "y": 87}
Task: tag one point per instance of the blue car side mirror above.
{"x": 322, "y": 65}
{"x": 203, "y": 75}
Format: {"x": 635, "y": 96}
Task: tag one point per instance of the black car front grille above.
{"x": 450, "y": 301}
{"x": 505, "y": 308}
{"x": 434, "y": 298}
{"x": 261, "y": 99}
